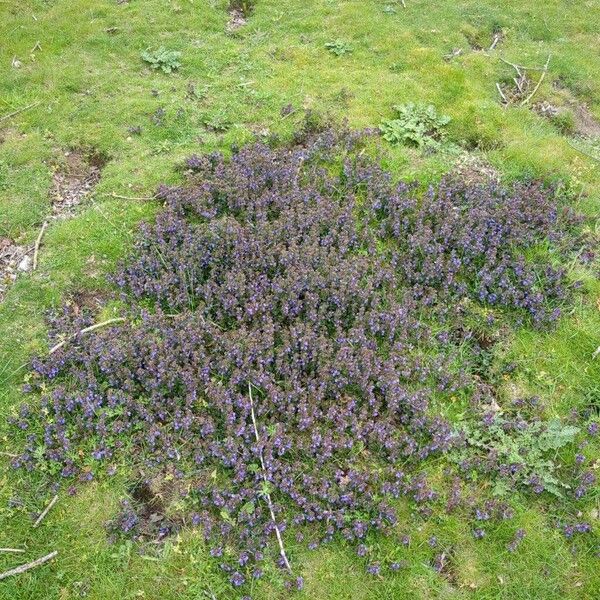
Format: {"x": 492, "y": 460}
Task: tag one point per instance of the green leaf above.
{"x": 265, "y": 488}
{"x": 248, "y": 508}
{"x": 226, "y": 516}
{"x": 556, "y": 436}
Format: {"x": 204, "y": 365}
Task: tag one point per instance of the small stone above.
{"x": 25, "y": 264}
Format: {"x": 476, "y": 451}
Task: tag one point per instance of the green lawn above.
{"x": 74, "y": 67}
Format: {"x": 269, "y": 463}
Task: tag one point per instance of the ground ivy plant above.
{"x": 292, "y": 320}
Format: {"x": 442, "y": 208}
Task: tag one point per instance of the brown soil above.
{"x": 73, "y": 182}
{"x": 14, "y": 258}
{"x": 586, "y": 123}
{"x": 236, "y": 20}
{"x": 474, "y": 170}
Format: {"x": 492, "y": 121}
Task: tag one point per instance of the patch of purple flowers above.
{"x": 315, "y": 287}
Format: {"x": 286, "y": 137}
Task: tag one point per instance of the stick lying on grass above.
{"x": 36, "y": 248}
{"x": 19, "y": 111}
{"x": 86, "y": 330}
{"x": 495, "y": 42}
{"x": 501, "y": 93}
{"x": 537, "y": 87}
{"x": 31, "y": 565}
{"x": 267, "y": 495}
{"x": 46, "y": 511}
{"x": 13, "y": 550}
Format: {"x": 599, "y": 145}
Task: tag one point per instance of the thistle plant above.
{"x": 415, "y": 124}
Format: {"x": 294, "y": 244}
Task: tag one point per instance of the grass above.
{"x": 80, "y": 65}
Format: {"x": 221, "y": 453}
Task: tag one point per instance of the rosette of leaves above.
{"x": 165, "y": 60}
{"x": 520, "y": 452}
{"x": 417, "y": 125}
{"x": 338, "y": 47}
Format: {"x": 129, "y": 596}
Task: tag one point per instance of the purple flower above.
{"x": 281, "y": 325}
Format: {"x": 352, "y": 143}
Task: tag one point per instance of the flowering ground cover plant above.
{"x": 294, "y": 320}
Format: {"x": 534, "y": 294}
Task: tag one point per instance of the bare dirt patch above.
{"x": 236, "y": 20}
{"x": 74, "y": 181}
{"x": 152, "y": 500}
{"x": 586, "y": 123}
{"x": 239, "y": 11}
{"x": 14, "y": 259}
{"x": 71, "y": 183}
{"x": 474, "y": 170}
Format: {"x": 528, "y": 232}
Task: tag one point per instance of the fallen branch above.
{"x": 46, "y": 511}
{"x": 267, "y": 494}
{"x": 517, "y": 68}
{"x": 31, "y": 565}
{"x": 36, "y": 248}
{"x": 14, "y": 550}
{"x": 537, "y": 87}
{"x": 86, "y": 330}
{"x": 16, "y": 112}
{"x": 501, "y": 93}
{"x": 520, "y": 83}
{"x": 520, "y": 68}
{"x": 495, "y": 42}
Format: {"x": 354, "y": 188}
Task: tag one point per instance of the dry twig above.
{"x": 16, "y": 112}
{"x": 267, "y": 494}
{"x": 31, "y": 565}
{"x": 520, "y": 68}
{"x": 36, "y": 248}
{"x": 13, "y": 550}
{"x": 537, "y": 87}
{"x": 86, "y": 330}
{"x": 455, "y": 52}
{"x": 46, "y": 511}
{"x": 501, "y": 93}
